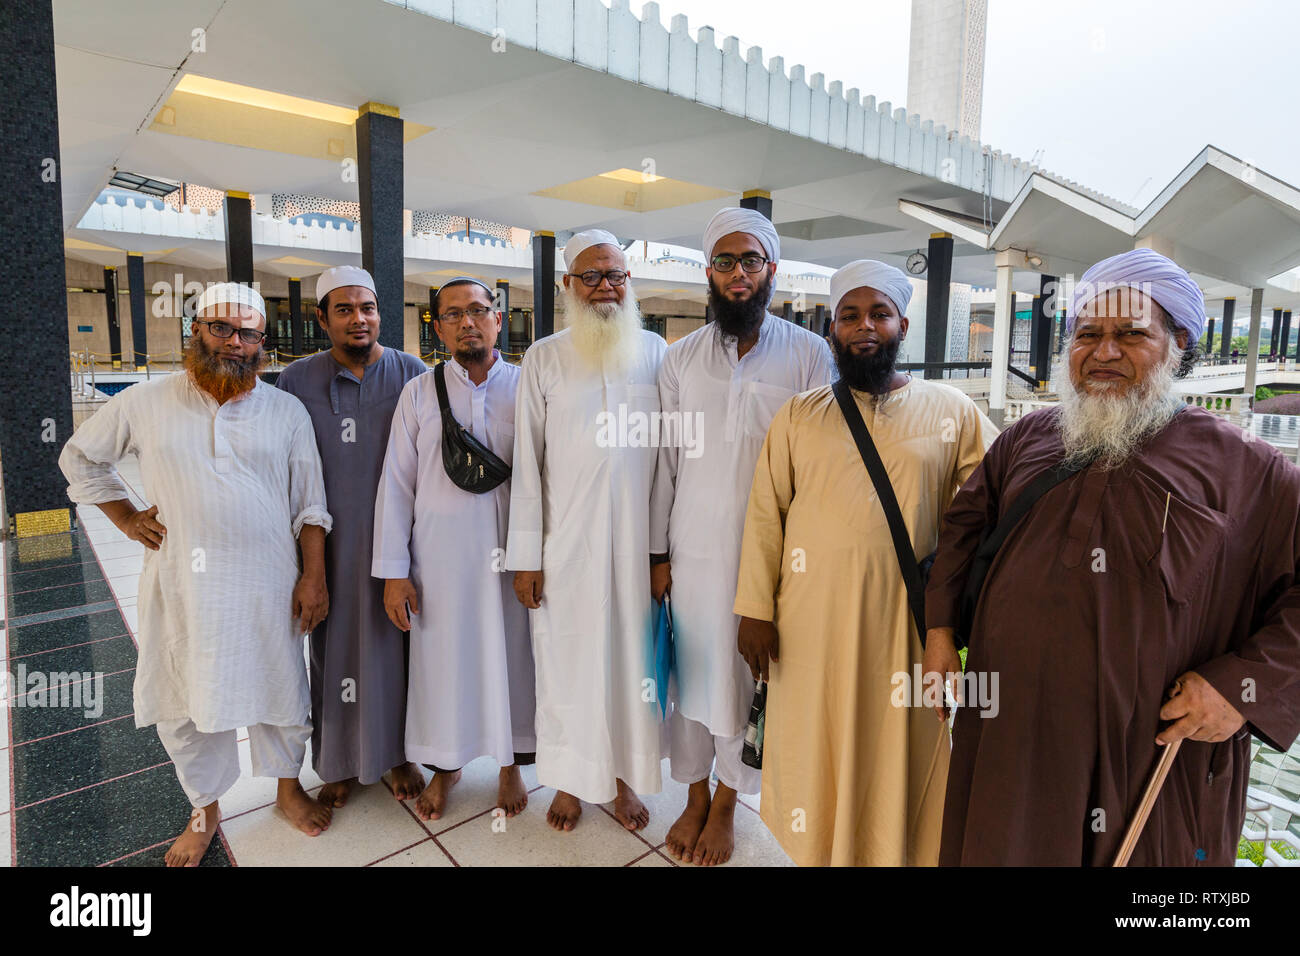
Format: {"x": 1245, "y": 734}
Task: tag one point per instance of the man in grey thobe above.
{"x": 358, "y": 658}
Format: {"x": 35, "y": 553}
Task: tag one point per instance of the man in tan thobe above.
{"x": 853, "y": 767}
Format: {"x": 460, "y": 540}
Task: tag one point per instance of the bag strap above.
{"x": 885, "y": 492}
{"x": 440, "y": 380}
{"x": 1024, "y": 501}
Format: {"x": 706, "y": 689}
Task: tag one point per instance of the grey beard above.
{"x": 1108, "y": 427}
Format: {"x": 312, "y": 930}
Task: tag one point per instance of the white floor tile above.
{"x": 5, "y": 849}
{"x": 426, "y": 854}
{"x": 476, "y": 793}
{"x": 4, "y": 731}
{"x": 120, "y": 567}
{"x": 4, "y": 782}
{"x": 118, "y": 549}
{"x": 125, "y": 585}
{"x": 528, "y": 840}
{"x": 132, "y": 615}
{"x": 372, "y": 825}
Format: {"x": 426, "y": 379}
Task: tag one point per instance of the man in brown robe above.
{"x": 1151, "y": 596}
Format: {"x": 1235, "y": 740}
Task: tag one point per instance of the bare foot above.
{"x": 564, "y": 812}
{"x": 308, "y": 815}
{"x": 718, "y": 838}
{"x": 430, "y": 804}
{"x": 686, "y": 831}
{"x": 407, "y": 781}
{"x": 628, "y": 808}
{"x": 193, "y": 843}
{"x": 336, "y": 794}
{"x": 511, "y": 795}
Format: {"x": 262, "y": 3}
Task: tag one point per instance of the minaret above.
{"x": 945, "y": 68}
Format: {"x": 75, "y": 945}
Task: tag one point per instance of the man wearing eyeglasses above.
{"x": 358, "y": 659}
{"x": 579, "y": 536}
{"x": 231, "y": 468}
{"x": 731, "y": 376}
{"x": 439, "y": 549}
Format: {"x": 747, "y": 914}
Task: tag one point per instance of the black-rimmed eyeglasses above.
{"x": 750, "y": 263}
{"x": 591, "y": 278}
{"x": 224, "y": 330}
{"x": 476, "y": 313}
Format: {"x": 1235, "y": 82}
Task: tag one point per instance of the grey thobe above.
{"x": 358, "y": 658}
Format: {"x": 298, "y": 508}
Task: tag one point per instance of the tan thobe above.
{"x": 849, "y": 777}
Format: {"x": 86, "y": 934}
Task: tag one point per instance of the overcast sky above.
{"x": 1119, "y": 95}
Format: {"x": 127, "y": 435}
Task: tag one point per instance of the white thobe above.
{"x": 234, "y": 484}
{"x": 471, "y": 671}
{"x": 698, "y": 510}
{"x": 580, "y": 512}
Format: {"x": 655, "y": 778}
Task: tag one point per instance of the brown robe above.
{"x": 1094, "y": 605}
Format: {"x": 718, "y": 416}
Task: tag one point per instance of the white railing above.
{"x": 1262, "y": 804}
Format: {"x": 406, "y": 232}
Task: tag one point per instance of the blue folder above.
{"x": 665, "y": 657}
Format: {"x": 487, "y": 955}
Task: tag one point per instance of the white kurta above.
{"x": 234, "y": 484}
{"x": 471, "y": 684}
{"x": 580, "y": 512}
{"x": 698, "y": 511}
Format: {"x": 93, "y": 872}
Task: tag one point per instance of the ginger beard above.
{"x": 607, "y": 334}
{"x": 1108, "y": 424}
{"x": 222, "y": 376}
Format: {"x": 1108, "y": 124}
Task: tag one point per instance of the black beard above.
{"x": 739, "y": 320}
{"x": 472, "y": 355}
{"x": 867, "y": 373}
{"x": 358, "y": 353}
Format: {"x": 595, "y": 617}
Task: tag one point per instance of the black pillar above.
{"x": 1040, "y": 349}
{"x": 760, "y": 200}
{"x": 433, "y": 318}
{"x": 821, "y": 321}
{"x": 787, "y": 311}
{"x": 1209, "y": 336}
{"x": 1229, "y": 306}
{"x": 379, "y": 183}
{"x": 135, "y": 287}
{"x": 114, "y": 324}
{"x": 503, "y": 303}
{"x": 1286, "y": 333}
{"x": 800, "y": 319}
{"x": 543, "y": 284}
{"x": 35, "y": 408}
{"x": 295, "y": 316}
{"x": 938, "y": 281}
{"x": 1275, "y": 334}
{"x": 239, "y": 237}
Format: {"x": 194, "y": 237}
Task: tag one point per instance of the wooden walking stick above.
{"x": 1139, "y": 822}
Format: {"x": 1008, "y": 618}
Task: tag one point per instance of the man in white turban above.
{"x": 853, "y": 770}
{"x": 234, "y": 561}
{"x": 1153, "y": 588}
{"x": 720, "y": 387}
{"x": 579, "y": 535}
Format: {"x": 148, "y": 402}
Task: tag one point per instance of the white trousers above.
{"x": 695, "y": 752}
{"x": 208, "y": 764}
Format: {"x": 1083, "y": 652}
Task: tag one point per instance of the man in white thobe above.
{"x": 231, "y": 467}
{"x": 580, "y": 535}
{"x": 719, "y": 388}
{"x": 441, "y": 550}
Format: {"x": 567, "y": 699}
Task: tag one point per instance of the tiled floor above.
{"x": 92, "y": 789}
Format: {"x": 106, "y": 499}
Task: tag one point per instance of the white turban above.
{"x": 1147, "y": 271}
{"x": 582, "y": 241}
{"x": 872, "y": 274}
{"x": 229, "y": 294}
{"x": 749, "y": 221}
{"x": 341, "y": 276}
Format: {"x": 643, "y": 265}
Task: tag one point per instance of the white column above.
{"x": 1001, "y": 339}
{"x": 1252, "y": 343}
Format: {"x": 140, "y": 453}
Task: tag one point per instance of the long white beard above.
{"x": 607, "y": 335}
{"x": 1109, "y": 426}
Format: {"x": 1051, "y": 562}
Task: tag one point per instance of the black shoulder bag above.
{"x": 468, "y": 462}
{"x": 915, "y": 574}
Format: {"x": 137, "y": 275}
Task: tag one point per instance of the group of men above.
{"x": 1155, "y": 583}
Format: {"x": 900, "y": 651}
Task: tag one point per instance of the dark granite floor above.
{"x": 88, "y": 788}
